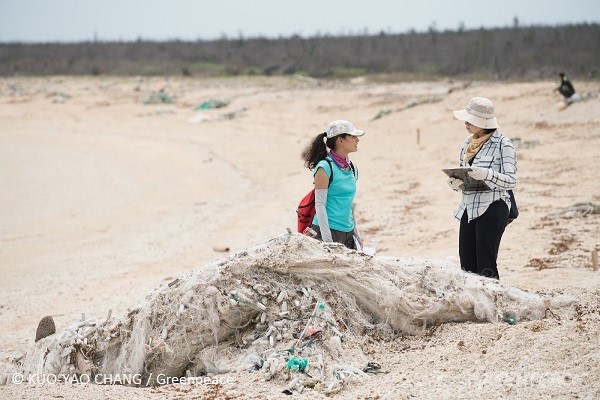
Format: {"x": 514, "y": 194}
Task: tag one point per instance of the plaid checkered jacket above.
{"x": 498, "y": 155}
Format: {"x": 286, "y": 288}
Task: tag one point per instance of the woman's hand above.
{"x": 478, "y": 173}
{"x": 454, "y": 183}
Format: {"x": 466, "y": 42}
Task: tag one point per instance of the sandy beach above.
{"x": 107, "y": 195}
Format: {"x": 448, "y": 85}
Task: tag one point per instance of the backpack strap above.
{"x": 331, "y": 169}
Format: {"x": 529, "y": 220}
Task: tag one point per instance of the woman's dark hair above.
{"x": 486, "y": 131}
{"x": 317, "y": 149}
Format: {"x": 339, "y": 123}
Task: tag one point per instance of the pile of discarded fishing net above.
{"x": 286, "y": 309}
{"x": 577, "y": 210}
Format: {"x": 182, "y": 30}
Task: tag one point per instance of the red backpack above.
{"x": 306, "y": 209}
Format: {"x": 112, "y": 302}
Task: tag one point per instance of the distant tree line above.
{"x": 506, "y": 53}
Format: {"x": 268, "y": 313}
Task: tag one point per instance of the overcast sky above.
{"x": 126, "y": 20}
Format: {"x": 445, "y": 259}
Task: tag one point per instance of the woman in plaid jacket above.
{"x": 483, "y": 213}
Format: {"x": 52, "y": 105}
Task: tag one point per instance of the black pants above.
{"x": 479, "y": 240}
{"x": 345, "y": 238}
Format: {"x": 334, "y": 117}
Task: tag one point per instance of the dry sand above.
{"x": 105, "y": 198}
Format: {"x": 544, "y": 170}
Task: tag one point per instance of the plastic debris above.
{"x": 372, "y": 367}
{"x": 210, "y": 104}
{"x": 297, "y": 364}
{"x": 201, "y": 117}
{"x": 577, "y": 210}
{"x": 510, "y": 318}
{"x": 159, "y": 97}
{"x": 261, "y": 297}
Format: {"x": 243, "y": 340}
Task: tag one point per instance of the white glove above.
{"x": 454, "y": 183}
{"x": 478, "y": 173}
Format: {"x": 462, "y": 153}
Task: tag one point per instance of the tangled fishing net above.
{"x": 286, "y": 309}
{"x": 577, "y": 210}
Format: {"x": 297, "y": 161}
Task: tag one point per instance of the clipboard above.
{"x": 469, "y": 184}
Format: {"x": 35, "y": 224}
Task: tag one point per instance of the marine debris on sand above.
{"x": 577, "y": 210}
{"x": 289, "y": 309}
{"x": 412, "y": 103}
{"x": 158, "y": 97}
{"x": 210, "y": 104}
{"x": 202, "y": 117}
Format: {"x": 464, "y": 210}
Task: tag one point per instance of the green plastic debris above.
{"x": 209, "y": 104}
{"x": 510, "y": 318}
{"x": 321, "y": 306}
{"x": 160, "y": 97}
{"x": 297, "y": 364}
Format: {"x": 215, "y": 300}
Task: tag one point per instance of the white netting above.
{"x": 577, "y": 210}
{"x": 275, "y": 307}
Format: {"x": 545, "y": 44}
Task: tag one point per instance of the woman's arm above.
{"x": 321, "y": 179}
{"x": 321, "y": 189}
{"x": 507, "y": 177}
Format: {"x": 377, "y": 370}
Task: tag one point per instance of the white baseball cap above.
{"x": 341, "y": 126}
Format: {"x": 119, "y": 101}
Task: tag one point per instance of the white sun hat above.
{"x": 479, "y": 112}
{"x": 341, "y": 126}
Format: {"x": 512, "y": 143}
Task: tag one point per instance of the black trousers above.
{"x": 345, "y": 238}
{"x": 479, "y": 240}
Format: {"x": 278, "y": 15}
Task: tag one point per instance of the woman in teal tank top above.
{"x": 335, "y": 182}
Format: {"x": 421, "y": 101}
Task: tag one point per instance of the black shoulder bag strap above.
{"x": 513, "y": 213}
